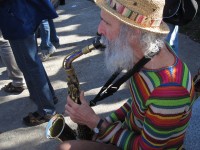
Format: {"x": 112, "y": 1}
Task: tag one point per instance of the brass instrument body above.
{"x": 74, "y": 93}
{"x": 72, "y": 80}
{"x": 56, "y": 127}
{"x": 74, "y": 87}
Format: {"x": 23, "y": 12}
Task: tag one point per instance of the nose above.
{"x": 101, "y": 29}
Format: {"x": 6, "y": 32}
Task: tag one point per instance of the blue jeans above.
{"x": 39, "y": 86}
{"x": 48, "y": 35}
{"x": 172, "y": 37}
{"x": 53, "y": 34}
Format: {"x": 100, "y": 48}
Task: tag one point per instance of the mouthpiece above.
{"x": 96, "y": 44}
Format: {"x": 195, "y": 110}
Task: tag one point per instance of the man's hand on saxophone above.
{"x": 81, "y": 114}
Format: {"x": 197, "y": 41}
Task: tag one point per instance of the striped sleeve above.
{"x": 164, "y": 125}
{"x": 166, "y": 119}
{"x": 120, "y": 114}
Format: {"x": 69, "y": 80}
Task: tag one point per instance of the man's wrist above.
{"x": 97, "y": 129}
{"x": 93, "y": 122}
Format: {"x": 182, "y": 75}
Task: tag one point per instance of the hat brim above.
{"x": 162, "y": 29}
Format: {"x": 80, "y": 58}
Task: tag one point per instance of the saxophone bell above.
{"x": 58, "y": 129}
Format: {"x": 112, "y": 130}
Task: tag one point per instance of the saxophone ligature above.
{"x": 56, "y": 127}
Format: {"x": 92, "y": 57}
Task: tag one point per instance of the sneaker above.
{"x": 56, "y": 44}
{"x": 47, "y": 54}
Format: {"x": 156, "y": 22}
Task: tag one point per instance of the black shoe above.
{"x": 34, "y": 119}
{"x": 9, "y": 88}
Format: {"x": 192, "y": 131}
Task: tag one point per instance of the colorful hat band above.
{"x": 139, "y": 19}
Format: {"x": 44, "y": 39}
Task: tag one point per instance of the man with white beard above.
{"x": 156, "y": 115}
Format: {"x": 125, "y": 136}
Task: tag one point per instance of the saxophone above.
{"x": 56, "y": 127}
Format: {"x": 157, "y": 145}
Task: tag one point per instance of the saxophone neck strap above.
{"x": 109, "y": 89}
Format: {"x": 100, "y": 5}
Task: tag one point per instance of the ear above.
{"x": 135, "y": 42}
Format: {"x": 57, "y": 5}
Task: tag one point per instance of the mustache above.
{"x": 104, "y": 41}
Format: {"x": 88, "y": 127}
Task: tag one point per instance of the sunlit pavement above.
{"x": 76, "y": 25}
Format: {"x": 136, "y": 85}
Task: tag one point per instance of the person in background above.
{"x": 17, "y": 85}
{"x": 49, "y": 39}
{"x": 157, "y": 114}
{"x": 170, "y": 9}
{"x": 19, "y": 28}
{"x": 172, "y": 37}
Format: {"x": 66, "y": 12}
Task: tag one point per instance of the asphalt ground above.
{"x": 76, "y": 26}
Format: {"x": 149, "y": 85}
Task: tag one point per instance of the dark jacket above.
{"x": 20, "y": 18}
{"x": 171, "y": 8}
{"x": 179, "y": 12}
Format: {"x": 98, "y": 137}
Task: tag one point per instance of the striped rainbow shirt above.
{"x": 157, "y": 114}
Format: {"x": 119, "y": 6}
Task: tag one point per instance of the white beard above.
{"x": 118, "y": 54}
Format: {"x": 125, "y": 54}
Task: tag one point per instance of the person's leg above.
{"x": 172, "y": 37}
{"x": 14, "y": 73}
{"x": 45, "y": 36}
{"x": 86, "y": 145}
{"x": 41, "y": 91}
{"x": 47, "y": 48}
{"x": 53, "y": 34}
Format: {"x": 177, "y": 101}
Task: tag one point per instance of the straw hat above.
{"x": 142, "y": 14}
